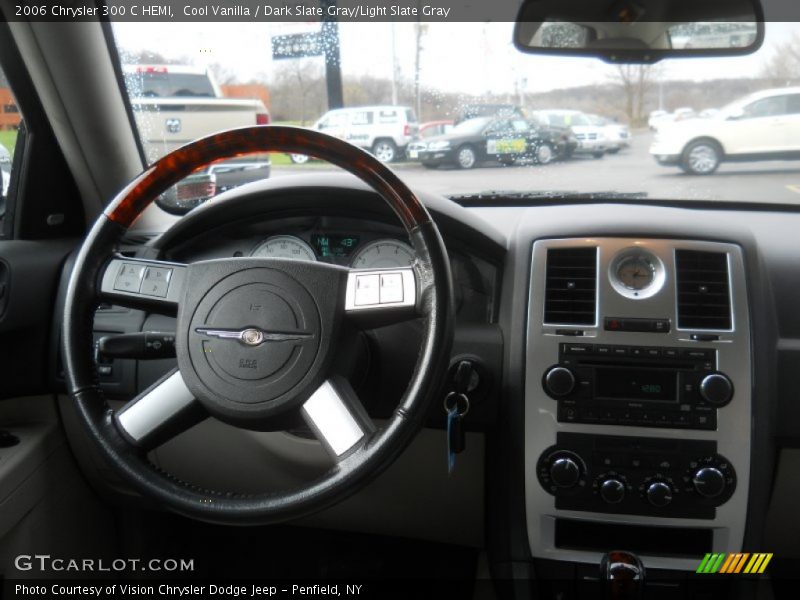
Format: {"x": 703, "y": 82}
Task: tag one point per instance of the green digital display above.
{"x": 336, "y": 245}
{"x": 636, "y": 384}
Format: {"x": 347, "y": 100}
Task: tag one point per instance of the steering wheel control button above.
{"x": 129, "y": 278}
{"x": 156, "y": 281}
{"x": 391, "y": 288}
{"x": 367, "y": 290}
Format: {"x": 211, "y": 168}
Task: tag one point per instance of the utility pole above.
{"x": 333, "y": 63}
{"x": 420, "y": 32}
{"x": 394, "y": 65}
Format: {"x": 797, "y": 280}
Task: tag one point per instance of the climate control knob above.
{"x": 565, "y": 472}
{"x": 612, "y": 491}
{"x": 709, "y": 482}
{"x": 659, "y": 494}
{"x": 716, "y": 389}
{"x": 558, "y": 381}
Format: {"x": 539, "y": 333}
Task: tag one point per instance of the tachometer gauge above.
{"x": 636, "y": 273}
{"x": 383, "y": 254}
{"x": 284, "y": 246}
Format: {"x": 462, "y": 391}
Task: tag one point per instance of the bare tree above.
{"x": 783, "y": 67}
{"x": 223, "y": 74}
{"x": 298, "y": 91}
{"x": 635, "y": 81}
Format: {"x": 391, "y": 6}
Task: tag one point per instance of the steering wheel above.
{"x": 256, "y": 337}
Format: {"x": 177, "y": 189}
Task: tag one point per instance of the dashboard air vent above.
{"x": 571, "y": 287}
{"x": 704, "y": 300}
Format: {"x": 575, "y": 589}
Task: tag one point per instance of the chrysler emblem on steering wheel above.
{"x": 252, "y": 336}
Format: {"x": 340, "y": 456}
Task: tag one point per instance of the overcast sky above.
{"x": 474, "y": 58}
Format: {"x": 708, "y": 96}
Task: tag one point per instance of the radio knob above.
{"x": 612, "y": 491}
{"x": 565, "y": 472}
{"x": 559, "y": 381}
{"x": 716, "y": 389}
{"x": 659, "y": 494}
{"x": 709, "y": 482}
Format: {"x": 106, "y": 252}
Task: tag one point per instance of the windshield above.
{"x": 393, "y": 81}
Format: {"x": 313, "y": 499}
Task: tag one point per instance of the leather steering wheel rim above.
{"x": 375, "y": 450}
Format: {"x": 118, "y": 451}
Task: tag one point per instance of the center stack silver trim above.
{"x": 541, "y": 425}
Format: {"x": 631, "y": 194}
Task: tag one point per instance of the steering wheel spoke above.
{"x": 152, "y": 285}
{"x": 336, "y": 416}
{"x": 161, "y": 412}
{"x": 378, "y": 297}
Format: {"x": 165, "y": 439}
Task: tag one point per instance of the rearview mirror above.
{"x": 639, "y": 31}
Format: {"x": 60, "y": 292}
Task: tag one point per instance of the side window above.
{"x": 520, "y": 125}
{"x": 10, "y": 122}
{"x": 766, "y": 107}
{"x": 496, "y": 128}
{"x": 362, "y": 117}
{"x": 793, "y": 104}
{"x": 332, "y": 120}
{"x": 387, "y": 116}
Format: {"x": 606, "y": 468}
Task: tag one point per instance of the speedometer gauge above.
{"x": 284, "y": 246}
{"x": 383, "y": 254}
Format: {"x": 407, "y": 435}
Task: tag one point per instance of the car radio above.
{"x": 637, "y": 385}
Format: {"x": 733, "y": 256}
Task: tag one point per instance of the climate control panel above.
{"x": 634, "y": 475}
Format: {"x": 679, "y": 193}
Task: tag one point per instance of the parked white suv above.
{"x": 383, "y": 130}
{"x": 618, "y": 135}
{"x": 591, "y": 138}
{"x": 761, "y": 126}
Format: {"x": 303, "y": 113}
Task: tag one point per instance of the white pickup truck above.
{"x": 175, "y": 104}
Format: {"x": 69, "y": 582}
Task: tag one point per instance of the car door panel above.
{"x": 760, "y": 129}
{"x": 29, "y": 274}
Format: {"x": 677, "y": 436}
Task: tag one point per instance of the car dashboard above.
{"x": 633, "y": 362}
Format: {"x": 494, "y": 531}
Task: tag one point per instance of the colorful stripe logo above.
{"x": 737, "y": 562}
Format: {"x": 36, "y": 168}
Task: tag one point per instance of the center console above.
{"x": 637, "y": 400}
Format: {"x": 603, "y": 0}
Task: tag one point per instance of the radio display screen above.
{"x": 636, "y": 384}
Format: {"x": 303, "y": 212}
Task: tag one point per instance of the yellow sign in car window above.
{"x": 515, "y": 146}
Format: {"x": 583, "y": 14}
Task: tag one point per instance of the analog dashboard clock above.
{"x": 636, "y": 273}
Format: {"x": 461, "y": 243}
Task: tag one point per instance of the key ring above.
{"x": 460, "y": 398}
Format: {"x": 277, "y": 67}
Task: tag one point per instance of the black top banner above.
{"x": 262, "y": 10}
{"x": 344, "y": 11}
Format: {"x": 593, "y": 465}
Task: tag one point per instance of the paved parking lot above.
{"x": 632, "y": 170}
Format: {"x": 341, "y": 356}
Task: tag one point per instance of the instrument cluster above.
{"x": 355, "y": 243}
{"x": 340, "y": 248}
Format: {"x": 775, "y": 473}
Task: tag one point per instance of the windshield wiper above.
{"x": 512, "y": 198}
